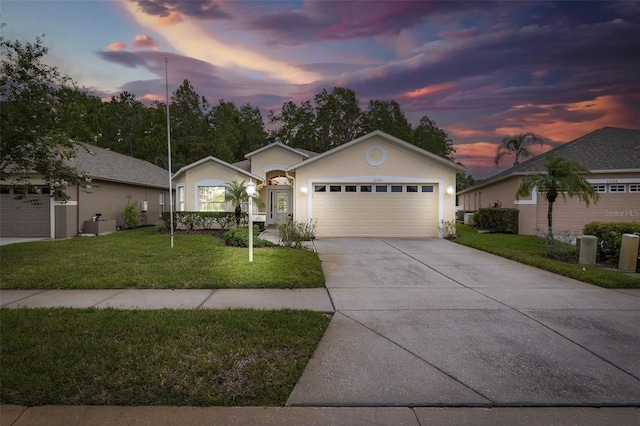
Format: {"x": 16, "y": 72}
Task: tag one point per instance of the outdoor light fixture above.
{"x": 303, "y": 189}
{"x": 251, "y": 190}
{"x": 450, "y": 190}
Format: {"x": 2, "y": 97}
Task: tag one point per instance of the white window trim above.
{"x": 206, "y": 182}
{"x": 533, "y": 200}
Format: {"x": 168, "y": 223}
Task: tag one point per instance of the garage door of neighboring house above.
{"x": 25, "y": 219}
{"x": 375, "y": 210}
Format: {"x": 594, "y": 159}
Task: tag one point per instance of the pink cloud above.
{"x": 117, "y": 46}
{"x": 144, "y": 41}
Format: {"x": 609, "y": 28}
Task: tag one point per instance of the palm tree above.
{"x": 237, "y": 194}
{"x": 560, "y": 177}
{"x": 519, "y": 146}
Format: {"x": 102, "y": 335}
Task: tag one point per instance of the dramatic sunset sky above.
{"x": 481, "y": 70}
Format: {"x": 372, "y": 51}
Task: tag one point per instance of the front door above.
{"x": 279, "y": 205}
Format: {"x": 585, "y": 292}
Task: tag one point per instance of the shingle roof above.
{"x": 108, "y": 165}
{"x": 607, "y": 149}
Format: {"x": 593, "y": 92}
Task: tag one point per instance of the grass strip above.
{"x": 531, "y": 250}
{"x": 164, "y": 357}
{"x": 141, "y": 258}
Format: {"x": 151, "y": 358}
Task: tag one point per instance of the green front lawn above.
{"x": 141, "y": 258}
{"x": 162, "y": 357}
{"x": 531, "y": 251}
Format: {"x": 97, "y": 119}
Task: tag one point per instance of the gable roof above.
{"x": 608, "y": 149}
{"x": 389, "y": 138}
{"x": 222, "y": 163}
{"x": 104, "y": 164}
{"x": 300, "y": 152}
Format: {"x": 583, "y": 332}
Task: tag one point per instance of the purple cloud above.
{"x": 199, "y": 9}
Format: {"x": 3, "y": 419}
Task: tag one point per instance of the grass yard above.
{"x": 165, "y": 357}
{"x": 141, "y": 258}
{"x": 531, "y": 251}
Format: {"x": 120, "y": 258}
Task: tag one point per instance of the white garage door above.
{"x": 375, "y": 210}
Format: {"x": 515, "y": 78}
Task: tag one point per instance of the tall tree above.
{"x": 295, "y": 126}
{"x": 224, "y": 122}
{"x": 518, "y": 146}
{"x": 560, "y": 177}
{"x": 433, "y": 139}
{"x": 37, "y": 109}
{"x": 252, "y": 133}
{"x": 338, "y": 117}
{"x": 388, "y": 117}
{"x": 122, "y": 124}
{"x": 189, "y": 127}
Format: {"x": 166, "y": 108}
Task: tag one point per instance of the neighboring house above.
{"x": 117, "y": 180}
{"x": 376, "y": 185}
{"x": 612, "y": 155}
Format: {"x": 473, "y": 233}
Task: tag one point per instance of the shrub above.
{"x": 130, "y": 215}
{"x": 561, "y": 247}
{"x": 190, "y": 220}
{"x": 610, "y": 236}
{"x": 500, "y": 220}
{"x": 239, "y": 237}
{"x": 448, "y": 230}
{"x": 295, "y": 233}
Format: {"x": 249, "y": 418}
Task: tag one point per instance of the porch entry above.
{"x": 278, "y": 203}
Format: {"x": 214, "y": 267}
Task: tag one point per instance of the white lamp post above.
{"x": 251, "y": 190}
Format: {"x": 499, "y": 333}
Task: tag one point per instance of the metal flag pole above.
{"x": 166, "y": 76}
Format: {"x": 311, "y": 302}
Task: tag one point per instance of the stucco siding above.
{"x": 209, "y": 173}
{"x": 110, "y": 198}
{"x": 276, "y": 156}
{"x": 375, "y": 161}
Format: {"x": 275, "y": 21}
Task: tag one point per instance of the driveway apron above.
{"x": 427, "y": 322}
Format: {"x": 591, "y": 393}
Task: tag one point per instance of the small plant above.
{"x": 295, "y": 233}
{"x": 447, "y": 229}
{"x": 162, "y": 226}
{"x": 130, "y": 215}
{"x": 239, "y": 237}
{"x": 562, "y": 246}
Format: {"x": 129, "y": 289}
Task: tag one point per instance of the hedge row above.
{"x": 498, "y": 220}
{"x": 610, "y": 236}
{"x": 206, "y": 220}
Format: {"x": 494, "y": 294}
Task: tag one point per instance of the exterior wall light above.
{"x": 303, "y": 189}
{"x": 450, "y": 190}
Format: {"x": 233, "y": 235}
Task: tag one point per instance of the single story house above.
{"x": 376, "y": 185}
{"x": 117, "y": 180}
{"x": 612, "y": 155}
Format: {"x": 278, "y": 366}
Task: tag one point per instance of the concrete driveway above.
{"x": 427, "y": 322}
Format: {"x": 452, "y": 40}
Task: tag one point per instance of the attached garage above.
{"x": 382, "y": 210}
{"x": 375, "y": 186}
{"x": 25, "y": 219}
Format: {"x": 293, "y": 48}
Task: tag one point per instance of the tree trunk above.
{"x": 238, "y": 215}
{"x": 550, "y": 221}
{"x": 552, "y": 194}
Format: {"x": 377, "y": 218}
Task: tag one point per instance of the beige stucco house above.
{"x": 613, "y": 157}
{"x": 117, "y": 180}
{"x": 376, "y": 185}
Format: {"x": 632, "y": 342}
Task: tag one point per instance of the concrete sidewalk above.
{"x": 315, "y": 299}
{"x": 11, "y": 415}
